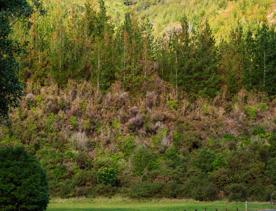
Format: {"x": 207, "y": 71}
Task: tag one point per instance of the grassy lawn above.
{"x": 120, "y": 204}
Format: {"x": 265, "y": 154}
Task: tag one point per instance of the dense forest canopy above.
{"x": 149, "y": 98}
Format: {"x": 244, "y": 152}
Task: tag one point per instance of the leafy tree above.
{"x": 10, "y": 87}
{"x": 23, "y": 183}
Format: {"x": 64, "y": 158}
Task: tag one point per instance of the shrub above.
{"x": 173, "y": 190}
{"x": 251, "y": 112}
{"x": 23, "y": 183}
{"x": 204, "y": 160}
{"x": 73, "y": 122}
{"x": 127, "y": 145}
{"x": 201, "y": 188}
{"x": 236, "y": 192}
{"x": 107, "y": 176}
{"x": 172, "y": 104}
{"x": 143, "y": 160}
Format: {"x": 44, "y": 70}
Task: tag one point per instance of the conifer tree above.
{"x": 259, "y": 60}
{"x": 205, "y": 71}
{"x": 131, "y": 46}
{"x": 190, "y": 60}
{"x": 184, "y": 55}
{"x": 231, "y": 61}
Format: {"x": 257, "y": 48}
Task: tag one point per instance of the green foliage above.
{"x": 271, "y": 170}
{"x": 86, "y": 45}
{"x": 193, "y": 164}
{"x": 10, "y": 87}
{"x": 204, "y": 160}
{"x": 23, "y": 183}
{"x": 127, "y": 145}
{"x": 251, "y": 111}
{"x": 247, "y": 59}
{"x": 190, "y": 60}
{"x": 237, "y": 192}
{"x": 143, "y": 160}
{"x": 259, "y": 67}
{"x": 145, "y": 190}
{"x": 204, "y": 190}
{"x": 182, "y": 151}
{"x": 172, "y": 104}
{"x": 107, "y": 176}
{"x": 134, "y": 46}
{"x": 73, "y": 122}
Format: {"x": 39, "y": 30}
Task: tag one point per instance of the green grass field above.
{"x": 120, "y": 204}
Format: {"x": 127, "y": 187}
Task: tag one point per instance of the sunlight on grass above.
{"x": 118, "y": 203}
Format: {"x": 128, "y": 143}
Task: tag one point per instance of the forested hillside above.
{"x": 152, "y": 98}
{"x": 223, "y": 15}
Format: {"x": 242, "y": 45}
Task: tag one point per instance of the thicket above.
{"x": 114, "y": 146}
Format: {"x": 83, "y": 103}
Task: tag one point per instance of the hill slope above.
{"x": 223, "y": 15}
{"x": 110, "y": 111}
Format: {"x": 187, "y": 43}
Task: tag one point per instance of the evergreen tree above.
{"x": 205, "y": 71}
{"x": 190, "y": 60}
{"x": 265, "y": 59}
{"x": 231, "y": 61}
{"x": 184, "y": 56}
{"x": 259, "y": 65}
{"x": 133, "y": 44}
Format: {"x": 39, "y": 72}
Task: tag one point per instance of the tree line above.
{"x": 87, "y": 45}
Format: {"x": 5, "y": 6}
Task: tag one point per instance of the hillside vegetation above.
{"x": 112, "y": 107}
{"x": 223, "y": 15}
{"x": 152, "y": 146}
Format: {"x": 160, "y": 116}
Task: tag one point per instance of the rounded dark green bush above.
{"x": 23, "y": 183}
{"x": 107, "y": 176}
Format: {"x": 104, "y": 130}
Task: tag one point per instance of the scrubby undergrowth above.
{"x": 148, "y": 144}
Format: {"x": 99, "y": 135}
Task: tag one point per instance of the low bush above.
{"x": 107, "y": 176}
{"x": 237, "y": 192}
{"x": 145, "y": 190}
